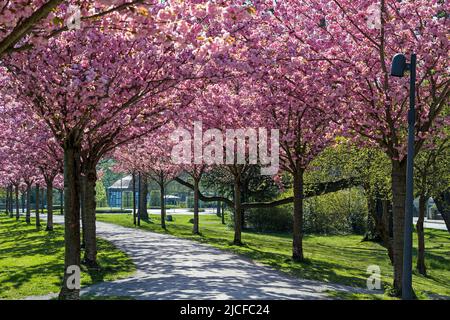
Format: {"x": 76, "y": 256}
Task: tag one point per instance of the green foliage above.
{"x": 112, "y": 210}
{"x": 339, "y": 212}
{"x": 155, "y": 198}
{"x": 109, "y": 177}
{"x": 369, "y": 165}
{"x": 342, "y": 295}
{"x": 100, "y": 194}
{"x": 344, "y": 211}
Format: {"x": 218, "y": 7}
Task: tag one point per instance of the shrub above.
{"x": 339, "y": 212}
{"x": 335, "y": 213}
{"x": 270, "y": 219}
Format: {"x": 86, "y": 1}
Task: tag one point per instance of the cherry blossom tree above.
{"x": 91, "y": 97}
{"x": 27, "y": 23}
{"x": 357, "y": 40}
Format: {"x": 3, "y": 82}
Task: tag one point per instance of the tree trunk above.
{"x": 297, "y": 243}
{"x": 139, "y": 199}
{"x": 237, "y": 211}
{"x": 28, "y": 214}
{"x": 17, "y": 202}
{"x": 244, "y": 200}
{"x": 38, "y": 219}
{"x": 11, "y": 194}
{"x": 7, "y": 201}
{"x": 373, "y": 221}
{"x": 421, "y": 268}
{"x": 42, "y": 203}
{"x": 380, "y": 231}
{"x": 49, "y": 206}
{"x": 223, "y": 213}
{"x": 133, "y": 181}
{"x": 386, "y": 226}
{"x": 443, "y": 205}
{"x": 89, "y": 228}
{"x": 143, "y": 190}
{"x": 71, "y": 218}
{"x": 61, "y": 202}
{"x": 10, "y": 201}
{"x": 83, "y": 208}
{"x": 23, "y": 202}
{"x": 195, "y": 229}
{"x": 163, "y": 206}
{"x": 398, "y": 183}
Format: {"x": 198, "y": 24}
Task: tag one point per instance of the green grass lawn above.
{"x": 339, "y": 259}
{"x": 32, "y": 261}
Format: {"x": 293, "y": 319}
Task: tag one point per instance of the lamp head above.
{"x": 399, "y": 65}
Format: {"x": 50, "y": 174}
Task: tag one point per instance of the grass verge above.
{"x": 32, "y": 261}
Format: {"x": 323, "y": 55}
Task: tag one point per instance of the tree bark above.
{"x": 237, "y": 211}
{"x": 443, "y": 205}
{"x": 17, "y": 202}
{"x": 49, "y": 206}
{"x": 28, "y": 214}
{"x": 381, "y": 230}
{"x": 195, "y": 229}
{"x": 42, "y": 201}
{"x": 83, "y": 208}
{"x": 163, "y": 206}
{"x": 143, "y": 186}
{"x": 7, "y": 201}
{"x": 223, "y": 213}
{"x": 244, "y": 200}
{"x": 72, "y": 216}
{"x": 421, "y": 268}
{"x": 133, "y": 181}
{"x": 398, "y": 184}
{"x": 38, "y": 219}
{"x": 23, "y": 202}
{"x": 89, "y": 227}
{"x": 297, "y": 243}
{"x": 10, "y": 201}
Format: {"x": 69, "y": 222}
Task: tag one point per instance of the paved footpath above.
{"x": 173, "y": 268}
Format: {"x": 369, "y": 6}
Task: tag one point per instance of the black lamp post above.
{"x": 398, "y": 68}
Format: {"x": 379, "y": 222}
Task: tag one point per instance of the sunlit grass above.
{"x": 338, "y": 259}
{"x": 32, "y": 261}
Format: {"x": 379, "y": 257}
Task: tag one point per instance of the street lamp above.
{"x": 398, "y": 68}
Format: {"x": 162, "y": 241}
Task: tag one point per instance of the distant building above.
{"x": 120, "y": 194}
{"x": 172, "y": 200}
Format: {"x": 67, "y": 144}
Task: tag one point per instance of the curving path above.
{"x": 172, "y": 268}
